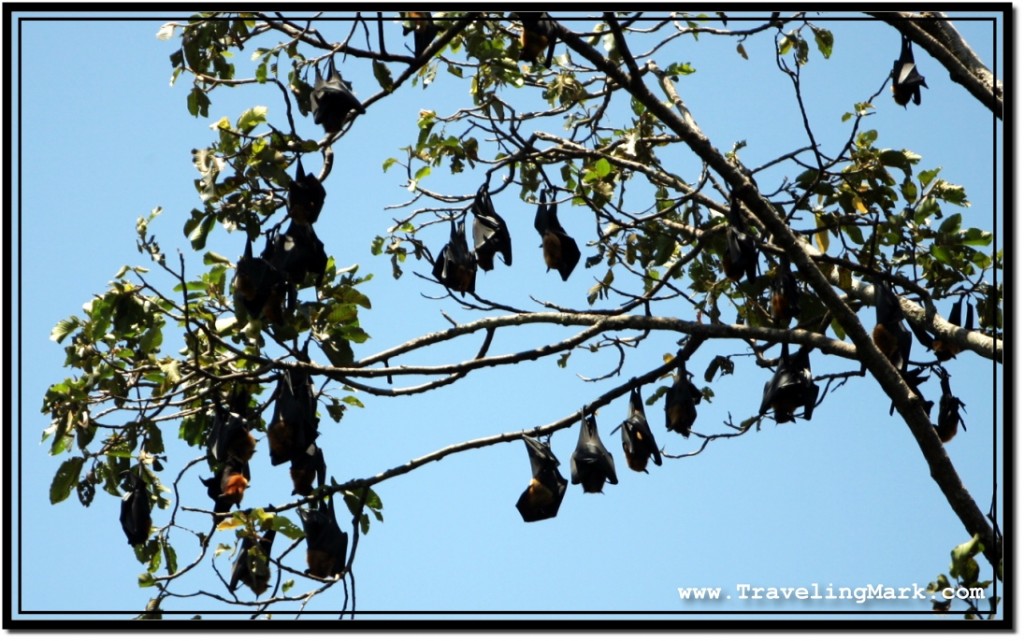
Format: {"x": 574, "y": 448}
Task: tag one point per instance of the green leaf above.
{"x": 198, "y": 103}
{"x": 63, "y": 328}
{"x": 352, "y": 400}
{"x": 824, "y": 39}
{"x": 742, "y": 51}
{"x": 976, "y": 237}
{"x": 67, "y": 476}
{"x": 926, "y": 177}
{"x": 383, "y": 76}
{"x": 894, "y": 158}
{"x": 838, "y": 329}
{"x": 171, "y": 556}
{"x": 951, "y": 225}
{"x": 909, "y": 190}
{"x": 941, "y": 254}
{"x": 252, "y": 118}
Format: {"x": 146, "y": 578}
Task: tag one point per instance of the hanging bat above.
{"x": 252, "y": 567}
{"x": 306, "y": 467}
{"x": 906, "y": 81}
{"x": 294, "y": 425}
{"x": 889, "y": 334}
{"x": 296, "y": 253}
{"x": 681, "y": 403}
{"x": 259, "y": 288}
{"x": 740, "y": 256}
{"x": 455, "y": 267}
{"x": 136, "y": 518}
{"x": 560, "y": 250}
{"x": 421, "y": 24}
{"x": 305, "y": 196}
{"x": 229, "y": 437}
{"x": 227, "y": 487}
{"x": 490, "y": 233}
{"x": 591, "y": 464}
{"x": 326, "y": 543}
{"x": 543, "y": 496}
{"x": 637, "y": 440}
{"x": 791, "y": 387}
{"x": 538, "y": 33}
{"x": 945, "y": 350}
{"x": 785, "y": 296}
{"x": 332, "y": 100}
{"x": 913, "y": 378}
{"x": 949, "y": 410}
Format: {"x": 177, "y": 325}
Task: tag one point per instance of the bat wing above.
{"x": 570, "y": 255}
{"x": 252, "y": 567}
{"x": 136, "y": 516}
{"x": 490, "y": 233}
{"x": 306, "y": 197}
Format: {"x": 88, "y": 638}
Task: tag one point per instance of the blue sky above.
{"x": 844, "y": 500}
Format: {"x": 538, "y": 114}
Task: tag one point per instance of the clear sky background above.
{"x": 844, "y": 500}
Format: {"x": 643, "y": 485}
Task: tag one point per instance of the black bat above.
{"x": 538, "y": 33}
{"x": 326, "y": 543}
{"x": 252, "y": 567}
{"x": 455, "y": 267}
{"x": 944, "y": 349}
{"x": 791, "y": 387}
{"x": 306, "y": 467}
{"x": 591, "y": 464}
{"x": 332, "y": 100}
{"x": 543, "y": 496}
{"x": 136, "y": 518}
{"x": 490, "y": 233}
{"x": 296, "y": 253}
{"x": 889, "y": 334}
{"x": 785, "y": 296}
{"x": 229, "y": 437}
{"x": 305, "y": 196}
{"x": 259, "y": 288}
{"x": 560, "y": 250}
{"x": 294, "y": 425}
{"x": 421, "y": 24}
{"x": 913, "y": 378}
{"x": 906, "y": 81}
{"x": 227, "y": 486}
{"x": 949, "y": 410}
{"x": 637, "y": 440}
{"x": 740, "y": 256}
{"x": 681, "y": 403}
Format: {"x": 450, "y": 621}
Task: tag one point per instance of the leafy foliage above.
{"x": 590, "y": 130}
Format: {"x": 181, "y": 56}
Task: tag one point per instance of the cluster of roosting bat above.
{"x": 455, "y": 266}
{"x": 265, "y": 287}
{"x": 591, "y": 464}
{"x": 291, "y": 436}
{"x": 288, "y": 259}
